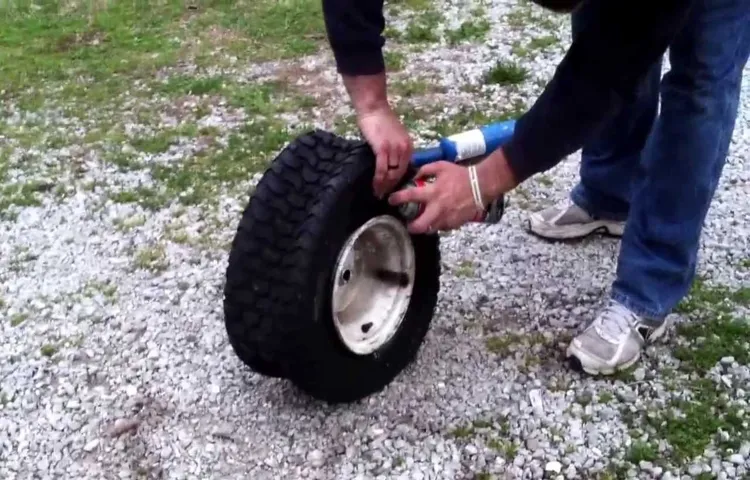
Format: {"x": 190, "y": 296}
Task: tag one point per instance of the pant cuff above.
{"x": 582, "y": 197}
{"x": 648, "y": 314}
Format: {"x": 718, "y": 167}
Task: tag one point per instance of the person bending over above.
{"x": 646, "y": 177}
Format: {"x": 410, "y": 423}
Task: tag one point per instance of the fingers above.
{"x": 391, "y": 163}
{"x": 432, "y": 169}
{"x": 421, "y": 194}
{"x": 427, "y": 222}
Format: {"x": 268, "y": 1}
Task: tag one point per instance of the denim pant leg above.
{"x": 609, "y": 162}
{"x": 683, "y": 158}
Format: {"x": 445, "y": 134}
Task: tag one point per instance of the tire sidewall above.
{"x": 327, "y": 364}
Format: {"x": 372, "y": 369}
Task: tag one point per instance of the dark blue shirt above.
{"x": 601, "y": 71}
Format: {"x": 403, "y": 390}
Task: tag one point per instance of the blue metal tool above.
{"x": 467, "y": 145}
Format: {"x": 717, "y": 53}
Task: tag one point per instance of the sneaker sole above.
{"x": 581, "y": 360}
{"x": 568, "y": 232}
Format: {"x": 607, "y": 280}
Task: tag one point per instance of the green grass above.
{"x": 22, "y": 194}
{"x": 97, "y": 49}
{"x": 691, "y": 421}
{"x": 473, "y": 30}
{"x": 48, "y": 350}
{"x": 506, "y": 73}
{"x": 18, "y": 318}
{"x": 152, "y": 258}
{"x": 642, "y": 451}
{"x": 197, "y": 179}
{"x": 424, "y": 29}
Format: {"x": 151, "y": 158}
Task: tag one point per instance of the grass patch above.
{"x": 415, "y": 87}
{"x": 544, "y": 42}
{"x": 48, "y": 350}
{"x": 186, "y": 85}
{"x": 106, "y": 289}
{"x": 152, "y": 258}
{"x": 98, "y": 49}
{"x": 394, "y": 61}
{"x": 465, "y": 269}
{"x": 642, "y": 452}
{"x": 529, "y": 15}
{"x": 128, "y": 224}
{"x": 505, "y": 73}
{"x": 711, "y": 340}
{"x": 506, "y": 343}
{"x": 18, "y": 318}
{"x": 24, "y": 194}
{"x": 102, "y": 42}
{"x": 717, "y": 300}
{"x": 470, "y": 30}
{"x": 424, "y": 28}
{"x": 692, "y": 424}
{"x": 146, "y": 197}
{"x": 264, "y": 29}
{"x": 700, "y": 413}
{"x": 265, "y": 98}
{"x": 198, "y": 178}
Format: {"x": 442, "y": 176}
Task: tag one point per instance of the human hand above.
{"x": 392, "y": 145}
{"x": 448, "y": 201}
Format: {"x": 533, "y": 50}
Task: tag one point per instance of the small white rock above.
{"x": 316, "y": 458}
{"x": 91, "y": 446}
{"x": 553, "y": 466}
{"x": 737, "y": 459}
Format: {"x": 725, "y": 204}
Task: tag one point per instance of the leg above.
{"x": 609, "y": 162}
{"x": 682, "y": 163}
{"x": 601, "y": 199}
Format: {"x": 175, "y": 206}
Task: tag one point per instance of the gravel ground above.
{"x": 114, "y": 362}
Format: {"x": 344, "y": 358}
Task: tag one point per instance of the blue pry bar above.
{"x": 466, "y": 145}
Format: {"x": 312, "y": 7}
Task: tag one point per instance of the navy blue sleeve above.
{"x": 601, "y": 72}
{"x": 355, "y": 33}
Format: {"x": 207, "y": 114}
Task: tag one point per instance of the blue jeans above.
{"x": 659, "y": 170}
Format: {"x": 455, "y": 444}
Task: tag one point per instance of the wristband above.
{"x": 475, "y": 190}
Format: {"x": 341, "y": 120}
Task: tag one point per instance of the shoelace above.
{"x": 615, "y": 321}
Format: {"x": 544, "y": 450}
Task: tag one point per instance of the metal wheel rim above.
{"x": 372, "y": 284}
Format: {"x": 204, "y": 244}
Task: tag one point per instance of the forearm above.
{"x": 601, "y": 72}
{"x": 367, "y": 92}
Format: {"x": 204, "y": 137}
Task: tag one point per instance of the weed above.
{"x": 505, "y": 73}
{"x": 424, "y": 28}
{"x": 394, "y": 61}
{"x": 48, "y": 350}
{"x": 470, "y": 30}
{"x": 153, "y": 258}
{"x": 18, "y": 318}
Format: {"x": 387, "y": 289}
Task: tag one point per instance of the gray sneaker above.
{"x": 566, "y": 220}
{"x": 613, "y": 341}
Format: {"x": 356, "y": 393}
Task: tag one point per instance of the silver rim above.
{"x": 372, "y": 284}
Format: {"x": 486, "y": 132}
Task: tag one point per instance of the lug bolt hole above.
{"x": 366, "y": 327}
{"x": 346, "y": 276}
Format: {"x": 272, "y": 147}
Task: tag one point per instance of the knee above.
{"x": 701, "y": 90}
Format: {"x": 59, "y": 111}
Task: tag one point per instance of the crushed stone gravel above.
{"x": 113, "y": 371}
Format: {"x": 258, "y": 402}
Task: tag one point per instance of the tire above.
{"x": 279, "y": 278}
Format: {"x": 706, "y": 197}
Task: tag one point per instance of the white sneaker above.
{"x": 566, "y": 220}
{"x": 613, "y": 341}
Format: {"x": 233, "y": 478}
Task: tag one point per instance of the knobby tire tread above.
{"x": 278, "y": 253}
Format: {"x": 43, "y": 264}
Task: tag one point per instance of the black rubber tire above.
{"x": 278, "y": 279}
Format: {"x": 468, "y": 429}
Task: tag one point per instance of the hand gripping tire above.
{"x": 286, "y": 274}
